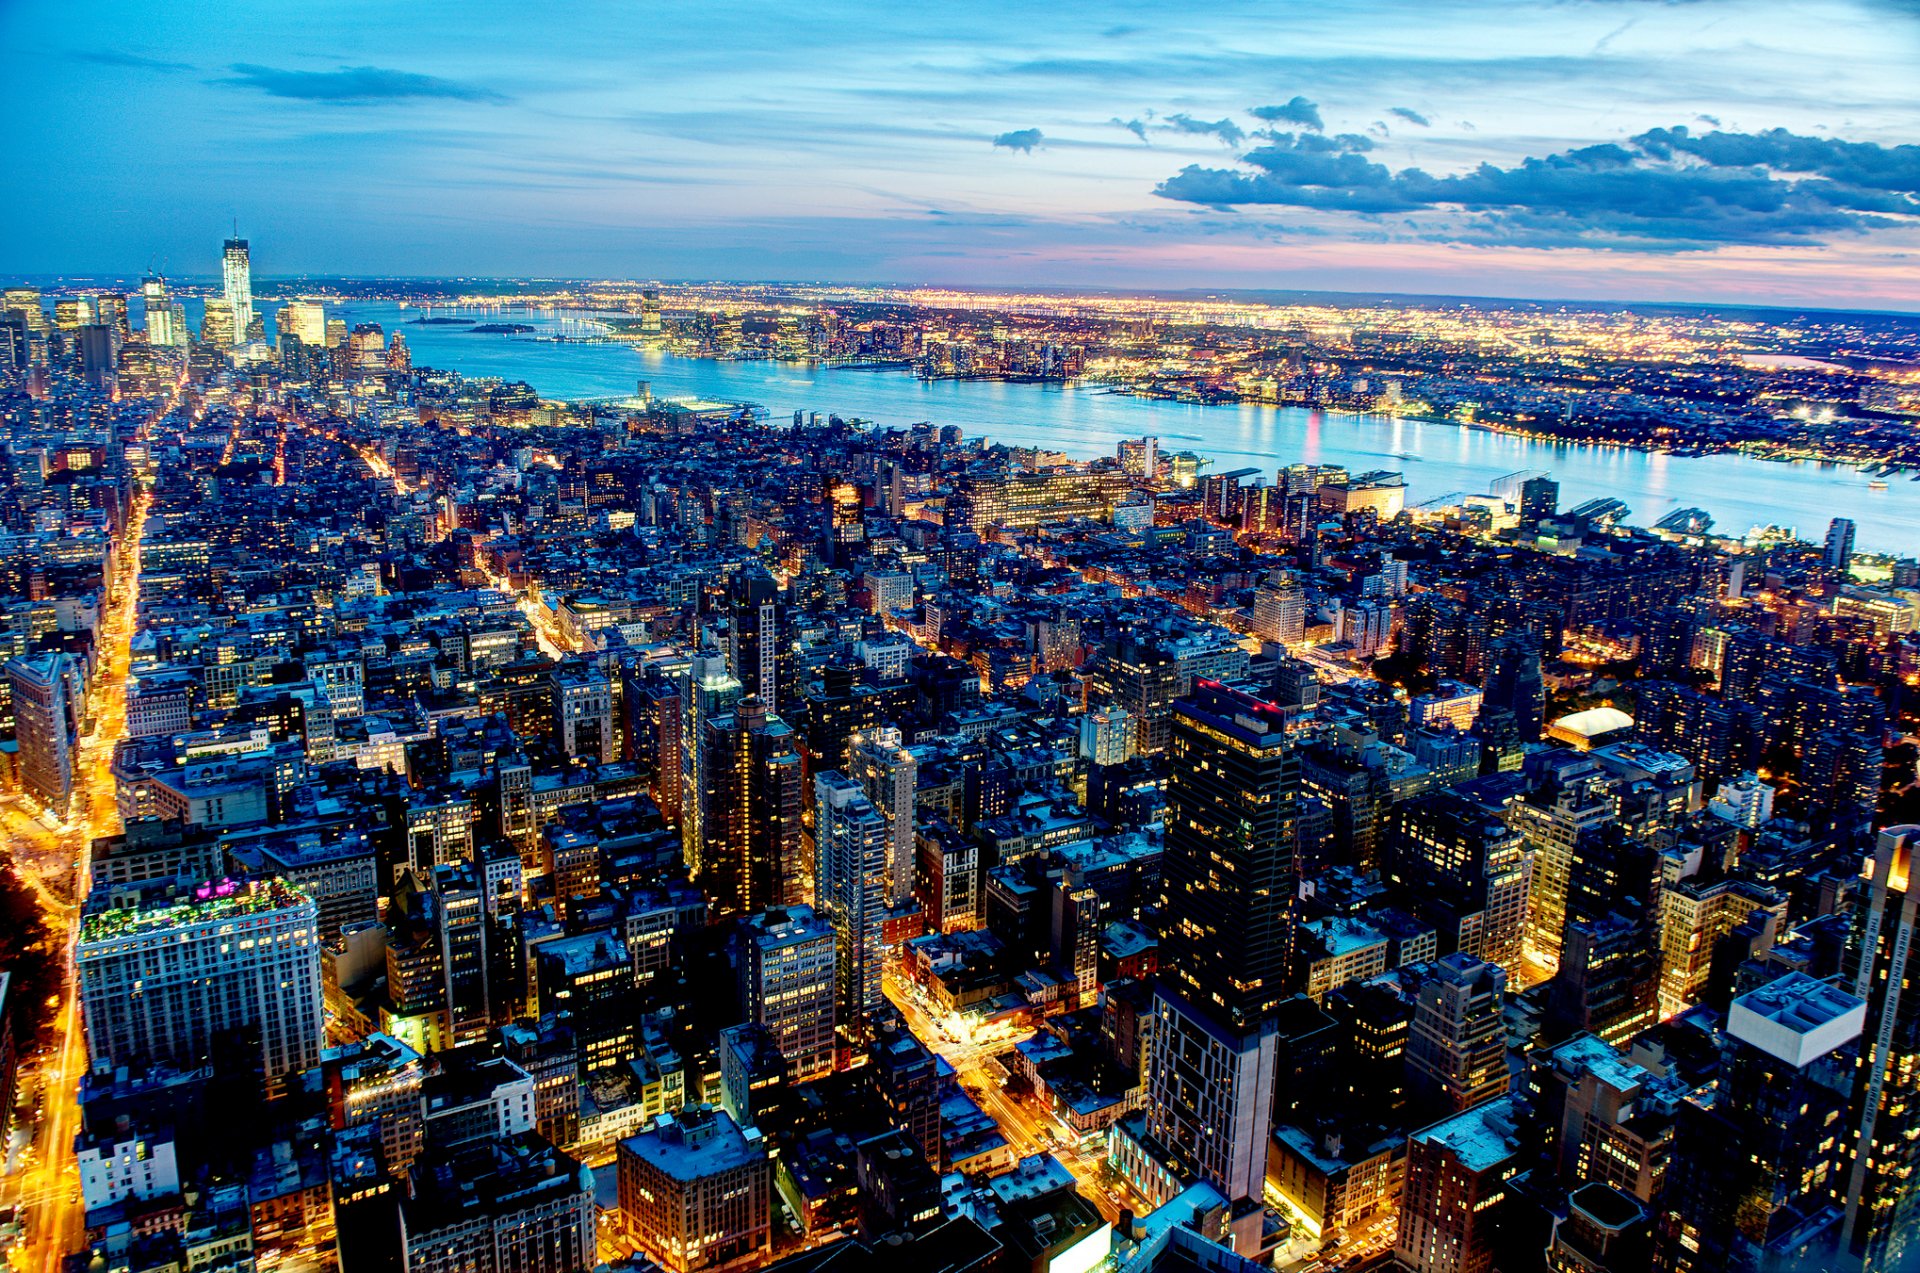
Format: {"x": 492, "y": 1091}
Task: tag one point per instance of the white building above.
{"x": 166, "y": 971}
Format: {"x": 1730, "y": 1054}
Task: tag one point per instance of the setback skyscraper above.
{"x": 1229, "y": 879}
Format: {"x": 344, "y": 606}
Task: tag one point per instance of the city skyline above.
{"x": 1696, "y": 152}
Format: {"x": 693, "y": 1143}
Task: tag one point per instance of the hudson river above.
{"x": 1438, "y": 459}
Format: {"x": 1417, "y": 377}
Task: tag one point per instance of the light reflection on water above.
{"x": 1085, "y": 421}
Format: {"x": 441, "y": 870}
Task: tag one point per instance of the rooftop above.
{"x": 155, "y": 909}
{"x": 1481, "y": 1139}
{"x": 697, "y": 1143}
{"x": 1797, "y": 1018}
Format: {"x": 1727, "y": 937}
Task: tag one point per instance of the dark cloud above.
{"x": 1135, "y": 126}
{"x": 1411, "y": 116}
{"x": 1850, "y": 163}
{"x": 1225, "y": 129}
{"x": 1021, "y": 139}
{"x": 1665, "y": 189}
{"x": 1299, "y": 112}
{"x": 131, "y": 61}
{"x": 352, "y": 84}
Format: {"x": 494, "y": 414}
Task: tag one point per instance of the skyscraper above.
{"x": 46, "y": 714}
{"x": 236, "y": 280}
{"x": 1839, "y": 550}
{"x": 1882, "y": 1206}
{"x": 1231, "y": 827}
{"x": 165, "y": 971}
{"x": 753, "y": 639}
{"x": 160, "y": 327}
{"x": 888, "y": 773}
{"x": 854, "y": 887}
{"x": 1783, "y": 1088}
{"x": 750, "y": 853}
{"x": 787, "y": 981}
{"x": 1539, "y": 499}
{"x": 1457, "y": 1049}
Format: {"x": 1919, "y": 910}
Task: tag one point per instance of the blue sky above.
{"x": 1688, "y": 149}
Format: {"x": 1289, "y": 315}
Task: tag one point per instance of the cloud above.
{"x": 1135, "y": 126}
{"x": 352, "y": 84}
{"x": 1299, "y": 112}
{"x": 1021, "y": 139}
{"x": 1411, "y": 116}
{"x": 1851, "y": 163}
{"x": 1664, "y": 190}
{"x": 131, "y": 61}
{"x": 1225, "y": 129}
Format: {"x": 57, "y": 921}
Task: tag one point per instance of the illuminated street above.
{"x": 49, "y": 1190}
{"x": 1028, "y": 1130}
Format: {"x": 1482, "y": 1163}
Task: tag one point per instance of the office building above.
{"x": 169, "y": 972}
{"x": 515, "y": 1205}
{"x": 1456, "y": 1191}
{"x": 1751, "y": 1184}
{"x": 696, "y": 1193}
{"x": 1457, "y": 1045}
{"x": 47, "y": 701}
{"x": 236, "y": 287}
{"x": 851, "y": 847}
{"x": 1228, "y": 878}
{"x": 888, "y": 773}
{"x": 788, "y": 986}
{"x": 1881, "y": 1208}
{"x": 588, "y": 982}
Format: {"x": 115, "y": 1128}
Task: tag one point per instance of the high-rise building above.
{"x": 1469, "y": 870}
{"x": 1457, "y": 1047}
{"x": 851, "y": 847}
{"x": 1228, "y": 875}
{"x": 1839, "y": 548}
{"x": 712, "y": 692}
{"x": 1750, "y": 1186}
{"x": 1539, "y": 499}
{"x": 753, "y": 635}
{"x": 696, "y": 1193}
{"x": 583, "y": 710}
{"x": 889, "y": 774}
{"x": 1106, "y": 736}
{"x": 47, "y": 701}
{"x": 168, "y": 973}
{"x": 28, "y": 303}
{"x": 788, "y": 985}
{"x": 236, "y": 287}
{"x": 1280, "y": 609}
{"x": 905, "y": 1076}
{"x": 588, "y": 982}
{"x": 1881, "y": 1225}
{"x": 515, "y": 1205}
{"x": 1569, "y": 801}
{"x": 750, "y": 849}
{"x": 1455, "y": 1191}
{"x": 216, "y": 324}
{"x": 307, "y": 321}
{"x": 1515, "y": 688}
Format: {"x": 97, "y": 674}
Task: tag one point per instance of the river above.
{"x": 1086, "y": 421}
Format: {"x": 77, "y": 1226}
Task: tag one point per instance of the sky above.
{"x": 1708, "y": 150}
